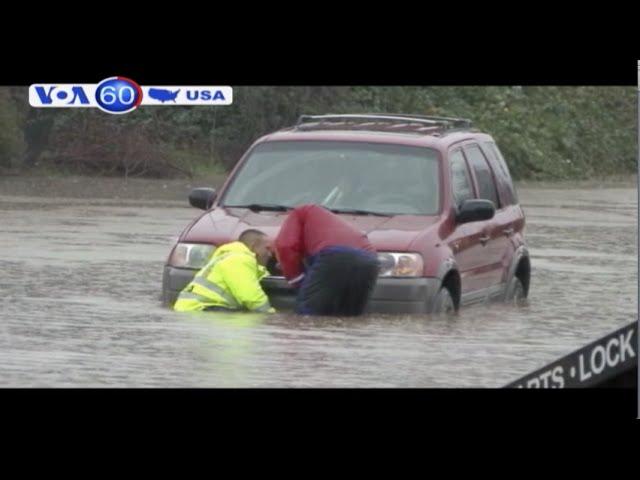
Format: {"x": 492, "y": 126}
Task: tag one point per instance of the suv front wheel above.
{"x": 515, "y": 292}
{"x": 443, "y": 304}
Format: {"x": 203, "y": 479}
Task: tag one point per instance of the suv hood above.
{"x": 223, "y": 225}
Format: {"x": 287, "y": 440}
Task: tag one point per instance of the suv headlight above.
{"x": 191, "y": 255}
{"x": 394, "y": 264}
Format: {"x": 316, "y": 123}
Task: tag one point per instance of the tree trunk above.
{"x": 36, "y": 135}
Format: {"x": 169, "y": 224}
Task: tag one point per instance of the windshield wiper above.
{"x": 261, "y": 207}
{"x": 355, "y": 211}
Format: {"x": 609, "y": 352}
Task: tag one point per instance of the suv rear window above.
{"x": 482, "y": 172}
{"x": 393, "y": 179}
{"x": 507, "y": 191}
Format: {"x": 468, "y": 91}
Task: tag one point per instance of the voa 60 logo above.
{"x": 120, "y": 95}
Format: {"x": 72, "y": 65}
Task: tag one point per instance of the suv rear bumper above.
{"x": 391, "y": 295}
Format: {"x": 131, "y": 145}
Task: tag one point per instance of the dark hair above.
{"x": 250, "y": 236}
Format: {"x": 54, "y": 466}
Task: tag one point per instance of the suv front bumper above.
{"x": 391, "y": 295}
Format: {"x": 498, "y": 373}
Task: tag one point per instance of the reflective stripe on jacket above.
{"x": 230, "y": 279}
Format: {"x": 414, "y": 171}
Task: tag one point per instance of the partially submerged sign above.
{"x": 600, "y": 362}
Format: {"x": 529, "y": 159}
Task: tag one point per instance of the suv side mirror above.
{"x": 202, "y": 198}
{"x": 474, "y": 210}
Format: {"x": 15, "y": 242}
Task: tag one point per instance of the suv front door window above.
{"x": 506, "y": 189}
{"x": 482, "y": 173}
{"x": 460, "y": 181}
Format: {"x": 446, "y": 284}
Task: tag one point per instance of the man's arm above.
{"x": 290, "y": 248}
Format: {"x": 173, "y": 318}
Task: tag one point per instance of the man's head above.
{"x": 258, "y": 243}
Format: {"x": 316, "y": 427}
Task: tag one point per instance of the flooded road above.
{"x": 80, "y": 287}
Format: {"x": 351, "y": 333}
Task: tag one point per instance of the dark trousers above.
{"x": 338, "y": 281}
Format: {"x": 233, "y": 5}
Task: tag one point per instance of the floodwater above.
{"x": 79, "y": 306}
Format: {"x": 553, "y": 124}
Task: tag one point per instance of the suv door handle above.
{"x": 508, "y": 231}
{"x": 484, "y": 240}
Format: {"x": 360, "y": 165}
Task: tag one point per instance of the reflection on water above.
{"x": 80, "y": 287}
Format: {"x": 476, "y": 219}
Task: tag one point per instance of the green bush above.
{"x": 544, "y": 132}
{"x": 11, "y": 137}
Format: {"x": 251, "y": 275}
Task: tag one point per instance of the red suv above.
{"x": 434, "y": 196}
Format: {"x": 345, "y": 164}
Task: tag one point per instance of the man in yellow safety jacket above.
{"x": 231, "y": 278}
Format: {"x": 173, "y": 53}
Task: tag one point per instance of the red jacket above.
{"x": 309, "y": 229}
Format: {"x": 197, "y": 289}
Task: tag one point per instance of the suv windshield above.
{"x": 379, "y": 178}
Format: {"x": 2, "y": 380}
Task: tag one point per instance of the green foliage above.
{"x": 11, "y": 139}
{"x": 544, "y": 132}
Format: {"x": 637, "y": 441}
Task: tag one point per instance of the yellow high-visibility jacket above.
{"x": 230, "y": 279}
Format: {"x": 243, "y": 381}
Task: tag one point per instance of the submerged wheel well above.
{"x": 451, "y": 282}
{"x": 523, "y": 272}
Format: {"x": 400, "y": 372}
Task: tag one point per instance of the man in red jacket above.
{"x": 341, "y": 264}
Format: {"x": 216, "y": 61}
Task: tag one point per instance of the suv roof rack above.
{"x": 424, "y": 124}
